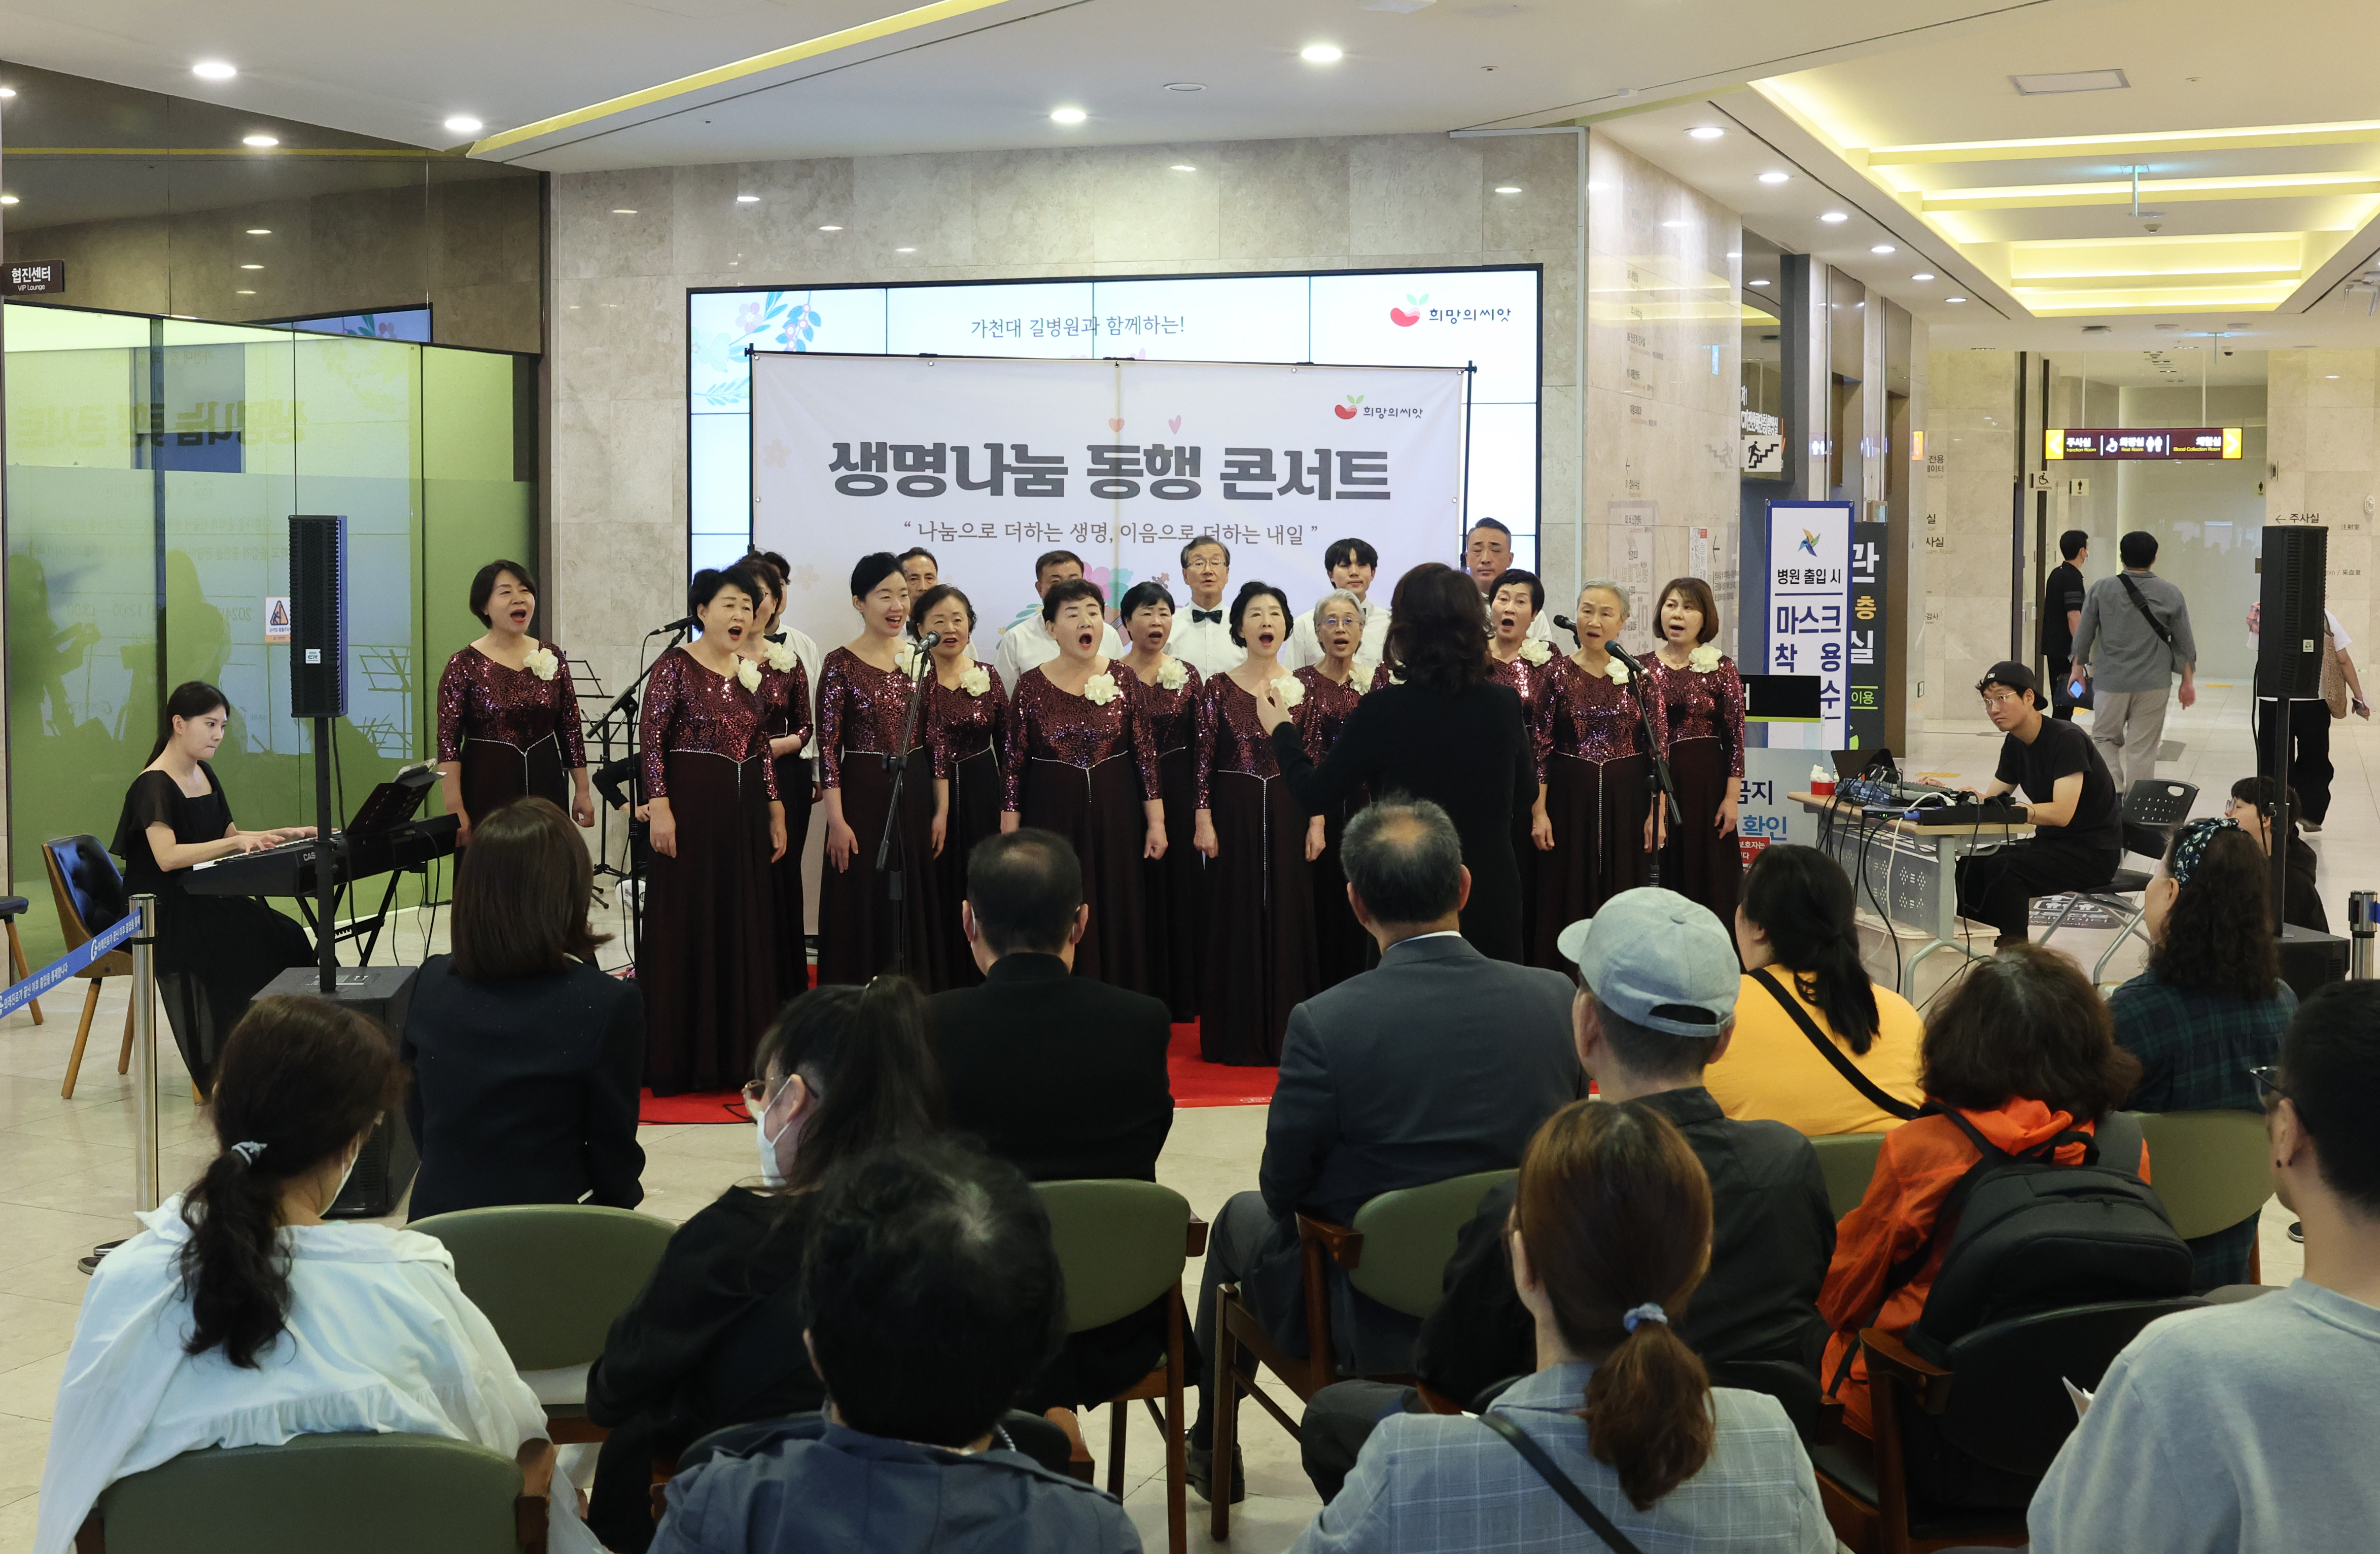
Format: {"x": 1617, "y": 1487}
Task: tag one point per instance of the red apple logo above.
{"x": 1348, "y": 412}
{"x": 1409, "y": 315}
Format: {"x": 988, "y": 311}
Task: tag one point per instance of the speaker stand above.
{"x": 326, "y": 935}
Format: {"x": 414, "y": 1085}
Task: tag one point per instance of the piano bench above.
{"x": 11, "y": 908}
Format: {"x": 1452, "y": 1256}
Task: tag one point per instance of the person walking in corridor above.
{"x": 2134, "y": 632}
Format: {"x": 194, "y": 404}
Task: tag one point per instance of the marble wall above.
{"x": 625, "y": 248}
{"x": 2323, "y": 448}
{"x": 1964, "y": 532}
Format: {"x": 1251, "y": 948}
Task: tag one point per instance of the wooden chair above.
{"x": 1395, "y": 1252}
{"x": 1849, "y": 1160}
{"x": 1124, "y": 1244}
{"x": 11, "y": 908}
{"x": 90, "y": 899}
{"x": 360, "y": 1494}
{"x": 2213, "y": 1169}
{"x": 2009, "y": 1411}
{"x": 550, "y": 1278}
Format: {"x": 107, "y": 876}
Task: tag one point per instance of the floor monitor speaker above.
{"x": 383, "y": 994}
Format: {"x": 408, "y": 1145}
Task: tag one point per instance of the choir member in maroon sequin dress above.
{"x": 1333, "y": 687}
{"x": 966, "y": 716}
{"x": 786, "y": 693}
{"x": 1261, "y": 961}
{"x": 507, "y": 716}
{"x": 706, "y": 957}
{"x": 1175, "y": 902}
{"x": 1702, "y": 698}
{"x": 1592, "y": 748}
{"x": 864, "y": 693}
{"x": 1524, "y": 663}
{"x": 1082, "y": 761}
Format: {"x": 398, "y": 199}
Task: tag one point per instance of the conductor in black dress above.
{"x": 1443, "y": 729}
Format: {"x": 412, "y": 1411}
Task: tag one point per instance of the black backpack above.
{"x": 2027, "y": 1234}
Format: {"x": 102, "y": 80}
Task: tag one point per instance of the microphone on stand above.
{"x": 1622, "y": 654}
{"x": 1567, "y": 625}
{"x": 685, "y": 623}
{"x": 930, "y": 640}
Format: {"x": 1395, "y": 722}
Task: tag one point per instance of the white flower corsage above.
{"x": 905, "y": 659}
{"x": 1172, "y": 674}
{"x": 1359, "y": 678}
{"x": 974, "y": 679}
{"x": 1704, "y": 659}
{"x": 1291, "y": 689}
{"x": 542, "y": 662}
{"x": 781, "y": 657}
{"x": 1100, "y": 689}
{"x": 1534, "y": 650}
{"x": 747, "y": 674}
{"x": 1617, "y": 669}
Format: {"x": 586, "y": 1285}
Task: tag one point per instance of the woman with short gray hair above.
{"x": 1590, "y": 743}
{"x": 1333, "y": 687}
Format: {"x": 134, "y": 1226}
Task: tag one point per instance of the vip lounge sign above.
{"x": 36, "y": 278}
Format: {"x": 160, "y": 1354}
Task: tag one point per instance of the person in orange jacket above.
{"x": 2025, "y": 1048}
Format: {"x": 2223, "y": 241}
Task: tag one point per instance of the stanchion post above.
{"x": 144, "y": 1055}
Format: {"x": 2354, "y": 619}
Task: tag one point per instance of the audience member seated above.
{"x": 239, "y": 1318}
{"x": 1061, "y": 1076}
{"x": 1660, "y": 980}
{"x": 2022, "y": 1049}
{"x": 2212, "y": 1005}
{"x": 930, "y": 1295}
{"x": 2247, "y": 1428}
{"x": 2252, "y": 803}
{"x": 1437, "y": 1062}
{"x": 1803, "y": 985}
{"x": 1611, "y": 1232}
{"x": 526, "y": 1059}
{"x": 712, "y": 1340}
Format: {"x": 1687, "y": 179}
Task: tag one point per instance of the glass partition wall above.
{"x": 152, "y": 466}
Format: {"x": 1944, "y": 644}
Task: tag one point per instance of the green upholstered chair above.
{"x": 2212, "y": 1170}
{"x": 1849, "y": 1160}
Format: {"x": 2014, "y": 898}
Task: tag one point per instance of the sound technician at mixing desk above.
{"x": 2077, "y": 816}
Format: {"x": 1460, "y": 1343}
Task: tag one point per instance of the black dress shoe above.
{"x": 1199, "y": 1467}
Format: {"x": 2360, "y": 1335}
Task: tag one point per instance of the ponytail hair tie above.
{"x": 1648, "y": 1312}
{"x": 248, "y": 1149}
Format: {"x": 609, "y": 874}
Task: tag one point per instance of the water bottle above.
{"x": 2362, "y": 909}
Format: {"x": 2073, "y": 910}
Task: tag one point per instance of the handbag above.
{"x": 2334, "y": 677}
{"x": 1881, "y": 1099}
{"x": 1561, "y": 1482}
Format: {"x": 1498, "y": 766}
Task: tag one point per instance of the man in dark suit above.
{"x": 1062, "y": 1076}
{"x": 1435, "y": 1063}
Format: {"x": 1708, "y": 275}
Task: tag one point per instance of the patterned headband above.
{"x": 2191, "y": 846}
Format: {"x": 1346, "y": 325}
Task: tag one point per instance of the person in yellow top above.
{"x": 1793, "y": 928}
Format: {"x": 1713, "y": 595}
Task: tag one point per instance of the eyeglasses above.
{"x": 2268, "y": 1084}
{"x": 2003, "y": 700}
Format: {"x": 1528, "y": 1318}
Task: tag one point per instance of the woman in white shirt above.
{"x": 239, "y": 1318}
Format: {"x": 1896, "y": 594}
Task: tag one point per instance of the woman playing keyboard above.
{"x": 214, "y": 954}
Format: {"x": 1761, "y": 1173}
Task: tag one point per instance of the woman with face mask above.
{"x": 239, "y": 1318}
{"x": 715, "y": 1339}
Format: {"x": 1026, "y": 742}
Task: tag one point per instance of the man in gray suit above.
{"x": 1435, "y": 1063}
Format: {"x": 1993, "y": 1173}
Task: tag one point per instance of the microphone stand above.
{"x": 894, "y": 884}
{"x": 623, "y": 707}
{"x": 1665, "y": 792}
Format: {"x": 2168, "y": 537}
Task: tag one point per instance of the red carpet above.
{"x": 1196, "y": 1083}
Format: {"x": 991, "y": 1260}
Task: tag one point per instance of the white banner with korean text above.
{"x": 1809, "y": 603}
{"x": 990, "y": 462}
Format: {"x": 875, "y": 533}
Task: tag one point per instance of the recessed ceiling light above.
{"x": 622, "y": 210}
{"x": 1757, "y": 282}
{"x": 8, "y": 92}
{"x": 748, "y": 200}
{"x": 7, "y": 200}
{"x": 1884, "y": 247}
{"x": 1185, "y": 86}
{"x": 1182, "y": 167}
{"x": 2069, "y": 81}
{"x": 1774, "y": 177}
{"x": 262, "y": 143}
{"x": 1067, "y": 116}
{"x": 251, "y": 267}
{"x": 1922, "y": 276}
{"x": 904, "y": 250}
{"x": 464, "y": 124}
{"x": 1322, "y": 53}
{"x": 214, "y": 70}
{"x": 1706, "y": 132}
{"x": 2330, "y": 374}
{"x": 1954, "y": 300}
{"x": 1508, "y": 188}
{"x": 243, "y": 293}
{"x": 1831, "y": 217}
{"x": 1674, "y": 224}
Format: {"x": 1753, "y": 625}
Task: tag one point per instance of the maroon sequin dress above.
{"x": 862, "y": 712}
{"x": 707, "y": 954}
{"x": 512, "y": 733}
{"x": 1084, "y": 771}
{"x": 1261, "y": 961}
{"x": 1341, "y": 948}
{"x": 786, "y": 695}
{"x": 1173, "y": 898}
{"x": 963, "y": 735}
{"x": 1705, "y": 714}
{"x": 1529, "y": 680}
{"x": 1590, "y": 751}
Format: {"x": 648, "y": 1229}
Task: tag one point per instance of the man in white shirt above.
{"x": 1027, "y": 645}
{"x": 2310, "y": 768}
{"x": 1486, "y": 555}
{"x": 922, "y": 571}
{"x": 2246, "y": 1427}
{"x": 1202, "y": 634}
{"x": 1353, "y": 563}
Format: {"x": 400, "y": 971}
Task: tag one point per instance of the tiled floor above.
{"x": 66, "y": 1167}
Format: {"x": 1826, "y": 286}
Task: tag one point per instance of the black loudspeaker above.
{"x": 2311, "y": 960}
{"x": 318, "y": 617}
{"x": 383, "y": 994}
{"x": 2288, "y": 657}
